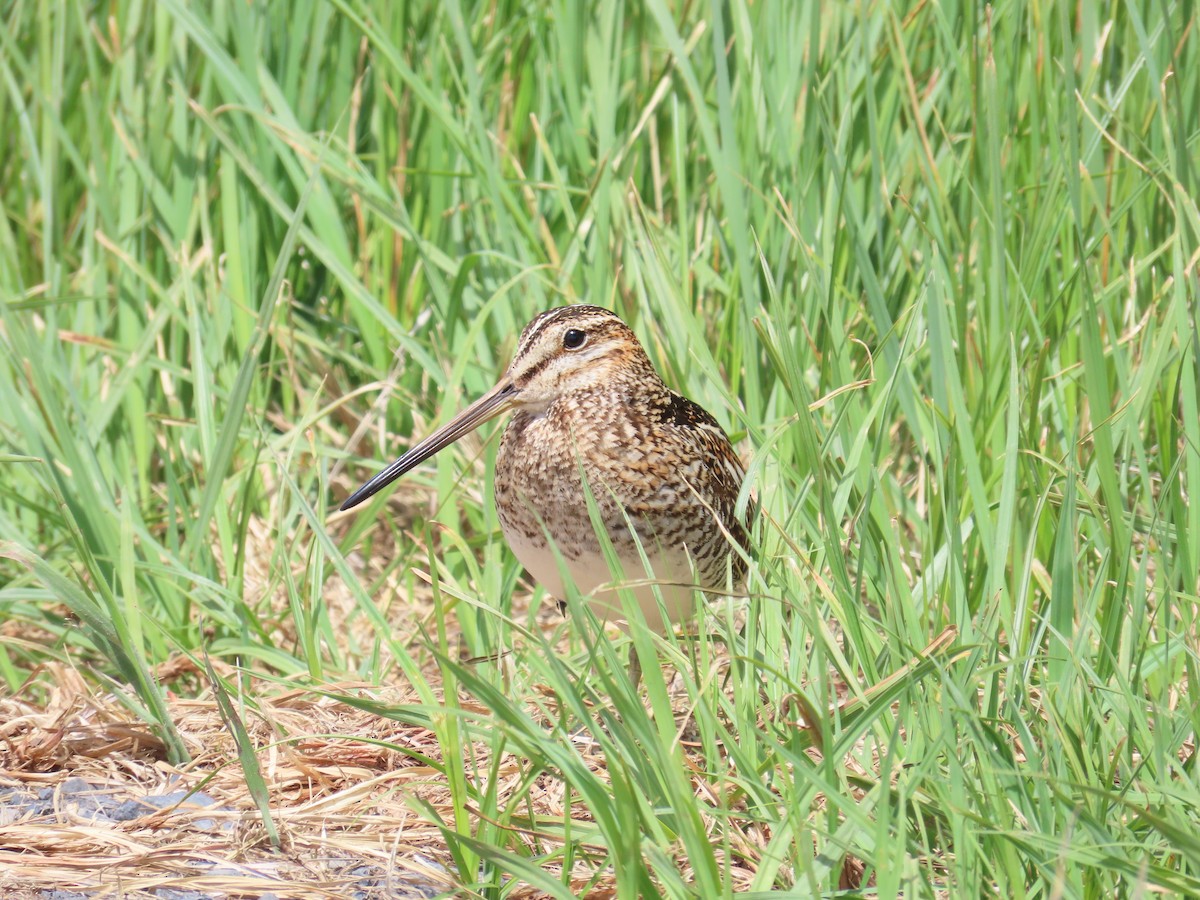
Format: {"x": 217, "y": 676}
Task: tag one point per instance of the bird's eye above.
{"x": 573, "y": 339}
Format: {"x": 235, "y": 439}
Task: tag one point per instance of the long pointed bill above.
{"x": 490, "y": 405}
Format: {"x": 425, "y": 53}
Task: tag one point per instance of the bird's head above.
{"x": 563, "y": 351}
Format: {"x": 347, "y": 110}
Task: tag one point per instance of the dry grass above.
{"x": 345, "y": 785}
{"x": 340, "y": 781}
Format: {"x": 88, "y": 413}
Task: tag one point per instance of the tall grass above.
{"x": 934, "y": 266}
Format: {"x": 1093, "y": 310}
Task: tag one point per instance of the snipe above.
{"x": 589, "y": 405}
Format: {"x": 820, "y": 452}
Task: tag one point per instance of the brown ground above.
{"x": 338, "y": 802}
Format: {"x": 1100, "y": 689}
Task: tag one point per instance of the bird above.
{"x": 591, "y": 413}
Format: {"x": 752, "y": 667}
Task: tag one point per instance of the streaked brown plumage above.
{"x": 588, "y": 404}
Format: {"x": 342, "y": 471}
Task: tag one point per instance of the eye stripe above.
{"x": 535, "y": 369}
{"x": 532, "y": 330}
{"x": 581, "y": 311}
{"x": 595, "y": 319}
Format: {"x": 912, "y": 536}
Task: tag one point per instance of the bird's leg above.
{"x": 635, "y": 665}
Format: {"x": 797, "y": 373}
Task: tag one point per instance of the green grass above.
{"x": 935, "y": 269}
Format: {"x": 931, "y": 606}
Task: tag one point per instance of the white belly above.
{"x": 591, "y": 575}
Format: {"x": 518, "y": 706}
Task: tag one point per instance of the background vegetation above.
{"x": 933, "y": 265}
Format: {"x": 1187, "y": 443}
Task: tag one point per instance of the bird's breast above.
{"x": 637, "y": 476}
